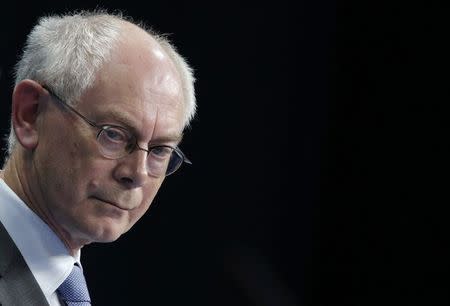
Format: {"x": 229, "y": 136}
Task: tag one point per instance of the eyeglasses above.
{"x": 116, "y": 142}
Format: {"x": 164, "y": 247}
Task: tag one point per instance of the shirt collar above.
{"x": 43, "y": 251}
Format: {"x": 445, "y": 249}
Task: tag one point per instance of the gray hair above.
{"x": 65, "y": 52}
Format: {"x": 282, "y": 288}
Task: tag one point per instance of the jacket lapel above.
{"x": 17, "y": 284}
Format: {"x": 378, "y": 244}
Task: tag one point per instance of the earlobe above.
{"x": 25, "y": 109}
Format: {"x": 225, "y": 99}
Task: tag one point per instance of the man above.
{"x": 98, "y": 110}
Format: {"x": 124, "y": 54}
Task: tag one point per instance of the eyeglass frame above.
{"x": 134, "y": 143}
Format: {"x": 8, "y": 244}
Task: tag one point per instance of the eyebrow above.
{"x": 125, "y": 122}
{"x": 170, "y": 138}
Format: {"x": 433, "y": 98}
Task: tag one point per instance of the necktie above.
{"x": 73, "y": 291}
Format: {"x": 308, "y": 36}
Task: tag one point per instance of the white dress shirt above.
{"x": 43, "y": 251}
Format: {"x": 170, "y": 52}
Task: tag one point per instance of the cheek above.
{"x": 136, "y": 214}
{"x": 87, "y": 166}
{"x": 148, "y": 198}
{"x": 76, "y": 174}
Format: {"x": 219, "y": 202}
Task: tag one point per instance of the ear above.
{"x": 25, "y": 109}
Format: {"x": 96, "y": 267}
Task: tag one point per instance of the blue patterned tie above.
{"x": 73, "y": 291}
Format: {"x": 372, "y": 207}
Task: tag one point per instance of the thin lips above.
{"x": 112, "y": 203}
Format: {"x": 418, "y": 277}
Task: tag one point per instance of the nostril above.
{"x": 126, "y": 180}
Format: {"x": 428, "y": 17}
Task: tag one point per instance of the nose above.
{"x": 131, "y": 170}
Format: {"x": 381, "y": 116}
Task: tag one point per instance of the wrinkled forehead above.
{"x": 141, "y": 81}
{"x": 151, "y": 116}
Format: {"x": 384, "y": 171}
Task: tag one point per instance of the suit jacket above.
{"x": 18, "y": 287}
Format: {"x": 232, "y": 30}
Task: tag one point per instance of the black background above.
{"x": 319, "y": 173}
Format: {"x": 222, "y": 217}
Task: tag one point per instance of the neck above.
{"x": 17, "y": 174}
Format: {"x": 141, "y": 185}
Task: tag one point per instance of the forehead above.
{"x": 139, "y": 85}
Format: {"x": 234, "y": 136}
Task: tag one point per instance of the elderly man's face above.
{"x": 92, "y": 198}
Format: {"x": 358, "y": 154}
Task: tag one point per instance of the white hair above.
{"x": 186, "y": 75}
{"x": 65, "y": 52}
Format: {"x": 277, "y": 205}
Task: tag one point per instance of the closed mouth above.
{"x": 110, "y": 203}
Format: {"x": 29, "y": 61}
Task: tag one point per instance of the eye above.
{"x": 115, "y": 135}
{"x": 114, "y": 139}
{"x": 161, "y": 152}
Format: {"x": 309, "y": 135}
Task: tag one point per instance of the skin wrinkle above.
{"x": 49, "y": 217}
{"x": 112, "y": 117}
{"x": 48, "y": 214}
{"x": 29, "y": 195}
{"x": 83, "y": 196}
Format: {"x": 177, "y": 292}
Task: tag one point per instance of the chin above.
{"x": 107, "y": 231}
{"x": 108, "y": 237}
